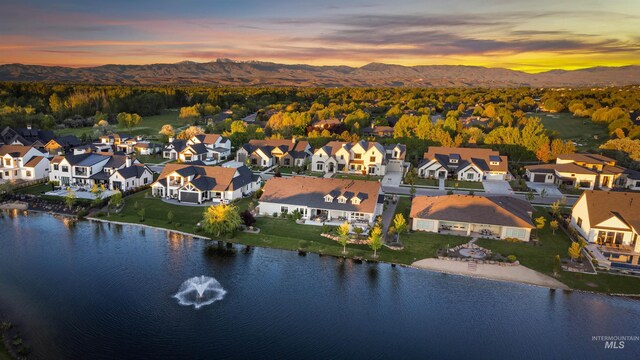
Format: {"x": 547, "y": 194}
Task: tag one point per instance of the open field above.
{"x": 586, "y": 133}
{"x": 149, "y": 125}
{"x": 540, "y": 258}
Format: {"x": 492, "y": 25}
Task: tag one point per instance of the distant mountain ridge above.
{"x": 256, "y": 73}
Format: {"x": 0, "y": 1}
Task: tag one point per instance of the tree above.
{"x": 400, "y": 223}
{"x": 556, "y": 265}
{"x": 128, "y": 120}
{"x": 167, "y": 130}
{"x": 221, "y": 219}
{"x": 190, "y": 132}
{"x": 540, "y": 223}
{"x": 530, "y": 196}
{"x": 343, "y": 235}
{"x": 555, "y": 208}
{"x": 375, "y": 240}
{"x": 170, "y": 216}
{"x": 574, "y": 251}
{"x": 70, "y": 198}
{"x": 97, "y": 191}
{"x": 554, "y": 226}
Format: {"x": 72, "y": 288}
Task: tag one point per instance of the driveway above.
{"x": 552, "y": 189}
{"x": 392, "y": 178}
{"x": 497, "y": 187}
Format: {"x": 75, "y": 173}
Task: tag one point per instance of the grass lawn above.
{"x": 516, "y": 186}
{"x": 451, "y": 184}
{"x": 149, "y": 125}
{"x": 358, "y": 177}
{"x": 37, "y": 189}
{"x": 316, "y": 174}
{"x": 571, "y": 191}
{"x": 580, "y": 130}
{"x": 540, "y": 258}
{"x": 151, "y": 159}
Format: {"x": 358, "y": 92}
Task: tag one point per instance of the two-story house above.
{"x": 609, "y": 221}
{"x": 62, "y": 144}
{"x": 199, "y": 184}
{"x": 25, "y": 136}
{"x": 18, "y": 162}
{"x": 468, "y": 164}
{"x": 271, "y": 152}
{"x": 208, "y": 148}
{"x": 362, "y": 157}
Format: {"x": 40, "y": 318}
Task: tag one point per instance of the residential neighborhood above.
{"x": 363, "y": 157}
{"x": 272, "y": 152}
{"x": 468, "y": 164}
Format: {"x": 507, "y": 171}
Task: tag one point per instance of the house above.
{"x": 326, "y": 124}
{"x": 632, "y": 180}
{"x": 271, "y": 152}
{"x": 609, "y": 221}
{"x": 61, "y": 145}
{"x": 362, "y": 157}
{"x": 321, "y": 200}
{"x": 147, "y": 148}
{"x": 496, "y": 216}
{"x": 379, "y": 131}
{"x": 583, "y": 171}
{"x": 210, "y": 148}
{"x": 20, "y": 162}
{"x": 87, "y": 148}
{"x": 115, "y": 139}
{"x": 97, "y": 168}
{"x": 199, "y": 184}
{"x": 468, "y": 164}
{"x": 25, "y": 136}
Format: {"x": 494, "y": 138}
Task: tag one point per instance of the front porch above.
{"x": 470, "y": 229}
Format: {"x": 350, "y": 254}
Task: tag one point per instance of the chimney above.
{"x": 170, "y": 139}
{"x": 373, "y": 126}
{"x": 293, "y": 140}
{"x": 127, "y": 162}
{"x": 29, "y": 127}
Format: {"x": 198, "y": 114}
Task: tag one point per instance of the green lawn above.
{"x": 580, "y": 130}
{"x": 451, "y": 184}
{"x": 149, "y": 125}
{"x": 151, "y": 159}
{"x": 357, "y": 177}
{"x": 35, "y": 189}
{"x": 540, "y": 258}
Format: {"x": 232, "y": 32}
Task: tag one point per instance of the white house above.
{"x": 271, "y": 152}
{"x": 610, "y": 222}
{"x": 468, "y": 164}
{"x": 362, "y": 157}
{"x": 22, "y": 163}
{"x": 199, "y": 184}
{"x": 321, "y": 200}
{"x": 218, "y": 147}
{"x": 498, "y": 217}
{"x": 209, "y": 148}
{"x": 97, "y": 168}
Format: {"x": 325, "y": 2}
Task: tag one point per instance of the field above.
{"x": 586, "y": 133}
{"x": 149, "y": 125}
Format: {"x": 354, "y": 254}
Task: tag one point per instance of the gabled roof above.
{"x": 563, "y": 168}
{"x": 14, "y": 150}
{"x": 178, "y": 145}
{"x": 586, "y": 158}
{"x": 133, "y": 171}
{"x": 204, "y": 178}
{"x": 296, "y": 148}
{"x": 492, "y": 210}
{"x": 602, "y": 205}
{"x": 479, "y": 157}
{"x": 67, "y": 141}
{"x": 208, "y": 138}
{"x": 196, "y": 148}
{"x": 310, "y": 192}
{"x": 34, "y": 161}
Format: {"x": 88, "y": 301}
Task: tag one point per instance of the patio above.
{"x": 80, "y": 193}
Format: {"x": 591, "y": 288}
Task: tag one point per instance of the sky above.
{"x": 531, "y": 36}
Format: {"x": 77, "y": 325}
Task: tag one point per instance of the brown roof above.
{"x": 222, "y": 176}
{"x": 208, "y": 138}
{"x": 602, "y": 205}
{"x": 563, "y": 168}
{"x": 15, "y": 150}
{"x": 34, "y": 161}
{"x": 494, "y": 210}
{"x": 298, "y": 145}
{"x": 587, "y": 158}
{"x": 481, "y": 157}
{"x": 310, "y": 191}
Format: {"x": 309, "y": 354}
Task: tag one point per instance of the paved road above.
{"x": 402, "y": 190}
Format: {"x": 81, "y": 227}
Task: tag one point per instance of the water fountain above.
{"x": 199, "y": 291}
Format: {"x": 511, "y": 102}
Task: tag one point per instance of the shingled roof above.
{"x": 602, "y": 205}
{"x": 480, "y": 157}
{"x": 493, "y": 210}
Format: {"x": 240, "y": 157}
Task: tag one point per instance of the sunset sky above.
{"x": 524, "y": 35}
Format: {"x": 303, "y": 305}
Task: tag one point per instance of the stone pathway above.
{"x": 441, "y": 184}
{"x": 328, "y": 175}
{"x": 387, "y": 217}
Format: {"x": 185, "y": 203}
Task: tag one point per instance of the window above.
{"x": 342, "y": 200}
{"x": 359, "y": 216}
{"x": 284, "y": 209}
{"x": 319, "y": 155}
{"x": 328, "y": 198}
{"x": 28, "y": 173}
{"x": 319, "y": 167}
{"x": 355, "y": 201}
{"x": 470, "y": 176}
{"x": 56, "y": 167}
{"x": 357, "y": 156}
{"x": 516, "y": 233}
{"x": 579, "y": 222}
{"x": 65, "y": 169}
{"x": 396, "y": 154}
{"x": 372, "y": 159}
{"x": 432, "y": 173}
{"x": 424, "y": 224}
{"x": 7, "y": 162}
{"x": 146, "y": 180}
{"x": 341, "y": 157}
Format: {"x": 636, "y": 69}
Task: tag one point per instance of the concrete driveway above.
{"x": 497, "y": 187}
{"x": 392, "y": 178}
{"x": 552, "y": 189}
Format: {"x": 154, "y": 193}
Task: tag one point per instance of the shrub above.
{"x": 82, "y": 213}
{"x": 512, "y": 240}
{"x": 258, "y": 193}
{"x": 275, "y": 214}
{"x": 247, "y": 218}
{"x": 449, "y": 192}
{"x": 511, "y": 258}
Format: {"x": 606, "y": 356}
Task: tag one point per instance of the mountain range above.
{"x": 255, "y": 73}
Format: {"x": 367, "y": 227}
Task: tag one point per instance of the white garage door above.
{"x": 394, "y": 166}
{"x": 494, "y": 177}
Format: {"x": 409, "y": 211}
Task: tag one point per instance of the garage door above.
{"x": 494, "y": 177}
{"x": 242, "y": 157}
{"x": 394, "y": 166}
{"x": 189, "y": 197}
{"x": 539, "y": 177}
